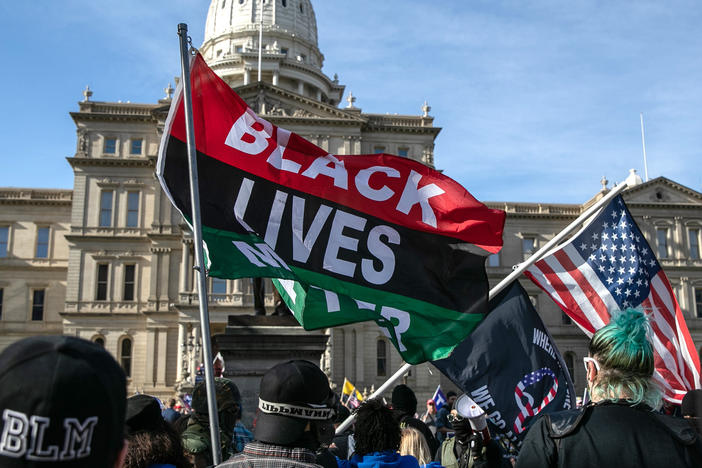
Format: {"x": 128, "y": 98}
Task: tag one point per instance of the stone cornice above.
{"x": 112, "y": 162}
{"x": 30, "y": 196}
{"x": 537, "y": 210}
{"x": 118, "y": 111}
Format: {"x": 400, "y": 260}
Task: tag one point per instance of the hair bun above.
{"x": 632, "y": 328}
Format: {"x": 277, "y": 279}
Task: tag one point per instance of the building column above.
{"x": 276, "y": 76}
{"x": 247, "y": 76}
{"x": 162, "y": 355}
{"x": 360, "y": 356}
{"x": 195, "y": 358}
{"x": 679, "y": 239}
{"x": 184, "y": 267}
{"x": 150, "y": 353}
{"x": 301, "y": 88}
{"x": 348, "y": 354}
{"x": 153, "y": 286}
{"x": 163, "y": 298}
{"x": 181, "y": 348}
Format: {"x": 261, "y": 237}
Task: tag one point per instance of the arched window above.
{"x": 125, "y": 356}
{"x": 569, "y": 359}
{"x": 99, "y": 340}
{"x": 381, "y": 354}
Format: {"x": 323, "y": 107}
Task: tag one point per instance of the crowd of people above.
{"x": 63, "y": 402}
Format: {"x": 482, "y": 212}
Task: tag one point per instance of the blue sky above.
{"x": 537, "y": 100}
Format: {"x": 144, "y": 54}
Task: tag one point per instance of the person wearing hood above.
{"x": 404, "y": 404}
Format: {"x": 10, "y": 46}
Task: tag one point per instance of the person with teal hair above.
{"x": 620, "y": 427}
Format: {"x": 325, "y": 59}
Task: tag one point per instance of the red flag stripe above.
{"x": 545, "y": 275}
{"x": 560, "y": 292}
{"x": 591, "y": 295}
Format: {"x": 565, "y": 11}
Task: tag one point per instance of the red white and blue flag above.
{"x": 609, "y": 266}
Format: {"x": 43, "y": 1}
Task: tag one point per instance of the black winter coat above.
{"x": 610, "y": 434}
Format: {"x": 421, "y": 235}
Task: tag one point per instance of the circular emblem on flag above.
{"x": 527, "y": 410}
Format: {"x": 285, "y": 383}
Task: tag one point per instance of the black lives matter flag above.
{"x": 347, "y": 238}
{"x": 510, "y": 366}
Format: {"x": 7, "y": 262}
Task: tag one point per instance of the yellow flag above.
{"x": 348, "y": 388}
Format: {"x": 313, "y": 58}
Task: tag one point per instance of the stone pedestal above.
{"x": 253, "y": 344}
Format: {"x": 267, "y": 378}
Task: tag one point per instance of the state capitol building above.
{"x": 111, "y": 260}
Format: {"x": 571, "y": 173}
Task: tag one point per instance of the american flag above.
{"x": 528, "y": 409}
{"x": 609, "y": 266}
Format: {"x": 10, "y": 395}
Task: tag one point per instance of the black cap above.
{"x": 143, "y": 414}
{"x": 403, "y": 399}
{"x": 292, "y": 394}
{"x": 63, "y": 403}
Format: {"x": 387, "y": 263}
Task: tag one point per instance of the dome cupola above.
{"x": 290, "y": 55}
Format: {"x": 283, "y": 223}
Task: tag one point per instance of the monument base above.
{"x": 252, "y": 344}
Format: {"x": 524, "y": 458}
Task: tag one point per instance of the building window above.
{"x": 38, "y": 304}
{"x": 565, "y": 320}
{"x": 129, "y": 275}
{"x": 285, "y": 3}
{"x": 110, "y": 146}
{"x": 284, "y": 51}
{"x": 102, "y": 275}
{"x": 698, "y": 301}
{"x": 125, "y": 356}
{"x": 694, "y": 238}
{"x": 528, "y": 246}
{"x": 106, "y": 208}
{"x": 136, "y": 146}
{"x": 404, "y": 152}
{"x": 302, "y": 9}
{"x": 662, "y": 238}
{"x": 132, "y": 209}
{"x": 379, "y": 149}
{"x": 381, "y": 358}
{"x": 1, "y": 294}
{"x": 219, "y": 286}
{"x": 4, "y": 240}
{"x": 42, "y": 250}
{"x": 238, "y": 49}
{"x": 493, "y": 260}
{"x": 569, "y": 359}
{"x": 99, "y": 340}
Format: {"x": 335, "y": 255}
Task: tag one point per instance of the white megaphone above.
{"x": 470, "y": 410}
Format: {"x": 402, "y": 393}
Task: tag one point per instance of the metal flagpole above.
{"x": 260, "y": 38}
{"x": 643, "y": 143}
{"x": 505, "y": 282}
{"x": 197, "y": 241}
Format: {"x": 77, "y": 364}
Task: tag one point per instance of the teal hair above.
{"x": 625, "y": 355}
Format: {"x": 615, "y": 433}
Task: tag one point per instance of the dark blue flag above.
{"x": 510, "y": 366}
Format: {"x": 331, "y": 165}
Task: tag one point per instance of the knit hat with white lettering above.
{"x": 293, "y": 394}
{"x": 62, "y": 401}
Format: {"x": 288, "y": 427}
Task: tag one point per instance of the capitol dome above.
{"x": 290, "y": 54}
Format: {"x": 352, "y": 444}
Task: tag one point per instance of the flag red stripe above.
{"x": 590, "y": 293}
{"x": 682, "y": 365}
{"x": 572, "y": 309}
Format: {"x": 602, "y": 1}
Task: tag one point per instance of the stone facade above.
{"x": 118, "y": 263}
